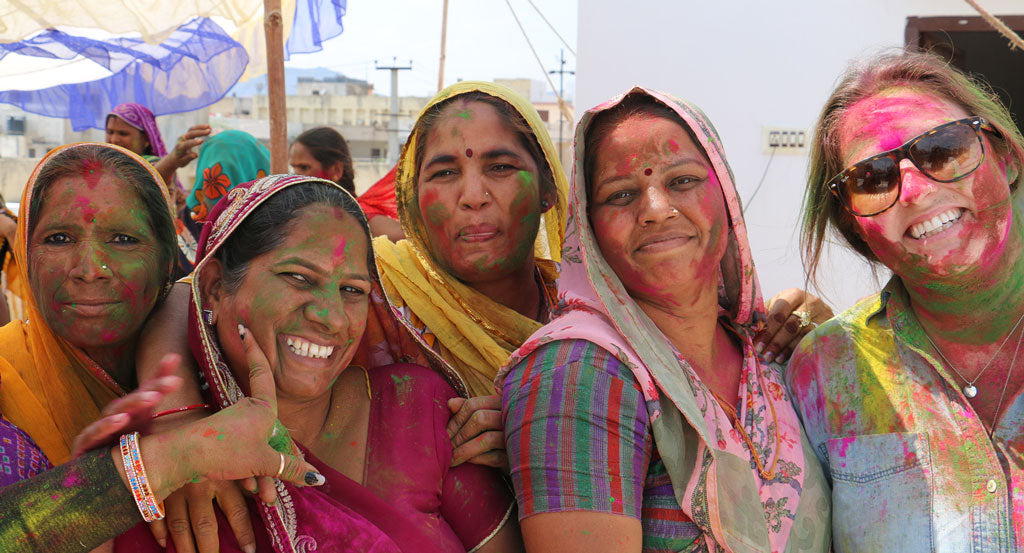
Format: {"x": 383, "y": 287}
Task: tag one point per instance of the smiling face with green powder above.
{"x": 478, "y": 193}
{"x": 305, "y": 300}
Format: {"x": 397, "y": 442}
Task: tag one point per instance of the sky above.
{"x": 483, "y": 42}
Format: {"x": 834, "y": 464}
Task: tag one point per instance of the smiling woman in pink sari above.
{"x": 289, "y": 257}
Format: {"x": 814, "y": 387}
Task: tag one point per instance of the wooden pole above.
{"x": 273, "y": 25}
{"x": 444, "y": 34}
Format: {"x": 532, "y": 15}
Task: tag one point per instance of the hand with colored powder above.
{"x": 792, "y": 313}
{"x": 476, "y": 431}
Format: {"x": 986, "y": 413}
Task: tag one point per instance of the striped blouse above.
{"x": 583, "y": 407}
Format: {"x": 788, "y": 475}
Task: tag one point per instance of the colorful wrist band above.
{"x": 182, "y": 409}
{"x": 137, "y": 480}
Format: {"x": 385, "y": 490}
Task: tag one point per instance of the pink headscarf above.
{"x": 712, "y": 478}
{"x": 138, "y": 116}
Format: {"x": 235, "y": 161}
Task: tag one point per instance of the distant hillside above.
{"x": 258, "y": 85}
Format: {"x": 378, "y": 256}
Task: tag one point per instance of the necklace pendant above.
{"x": 970, "y": 391}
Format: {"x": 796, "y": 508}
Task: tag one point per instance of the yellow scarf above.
{"x": 474, "y": 333}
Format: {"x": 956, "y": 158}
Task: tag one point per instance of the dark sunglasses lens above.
{"x": 949, "y": 154}
{"x": 871, "y": 185}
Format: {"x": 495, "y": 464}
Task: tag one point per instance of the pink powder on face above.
{"x": 673, "y": 145}
{"x": 88, "y": 211}
{"x": 879, "y": 116}
{"x": 91, "y": 172}
{"x": 340, "y": 250}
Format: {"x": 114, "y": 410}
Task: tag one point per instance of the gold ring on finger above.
{"x": 280, "y": 469}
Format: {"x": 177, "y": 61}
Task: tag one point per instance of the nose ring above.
{"x": 104, "y": 267}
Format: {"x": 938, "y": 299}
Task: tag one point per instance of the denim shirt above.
{"x": 912, "y": 466}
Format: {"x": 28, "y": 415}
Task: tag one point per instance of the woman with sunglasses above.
{"x": 912, "y": 398}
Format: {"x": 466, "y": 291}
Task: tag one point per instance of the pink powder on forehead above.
{"x": 883, "y": 114}
{"x": 88, "y": 210}
{"x": 340, "y": 250}
{"x": 92, "y": 171}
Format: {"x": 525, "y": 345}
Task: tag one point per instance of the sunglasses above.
{"x": 946, "y": 153}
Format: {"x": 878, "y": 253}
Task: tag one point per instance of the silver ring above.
{"x": 281, "y": 468}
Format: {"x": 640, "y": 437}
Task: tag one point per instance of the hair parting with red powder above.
{"x": 921, "y": 72}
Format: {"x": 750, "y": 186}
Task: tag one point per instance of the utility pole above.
{"x": 393, "y": 125}
{"x": 444, "y": 35}
{"x": 561, "y": 94}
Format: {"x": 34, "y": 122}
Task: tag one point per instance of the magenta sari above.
{"x": 341, "y": 515}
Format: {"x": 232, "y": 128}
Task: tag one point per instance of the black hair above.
{"x": 266, "y": 228}
{"x": 328, "y": 147}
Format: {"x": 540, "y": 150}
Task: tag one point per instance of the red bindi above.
{"x": 648, "y": 171}
{"x": 469, "y": 152}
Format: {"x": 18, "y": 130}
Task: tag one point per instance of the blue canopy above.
{"x": 194, "y": 67}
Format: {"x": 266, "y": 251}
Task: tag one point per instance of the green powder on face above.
{"x": 436, "y": 214}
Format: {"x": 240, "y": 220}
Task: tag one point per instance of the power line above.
{"x": 561, "y": 103}
{"x": 750, "y": 200}
{"x": 561, "y": 83}
{"x": 552, "y": 27}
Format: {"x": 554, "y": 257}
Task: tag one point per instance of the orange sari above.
{"x": 49, "y": 388}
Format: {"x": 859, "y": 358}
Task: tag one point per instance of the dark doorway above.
{"x": 970, "y": 44}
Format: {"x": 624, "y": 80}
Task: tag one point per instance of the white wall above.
{"x": 750, "y": 64}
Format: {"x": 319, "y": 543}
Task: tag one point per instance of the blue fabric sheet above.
{"x": 315, "y": 21}
{"x": 194, "y": 67}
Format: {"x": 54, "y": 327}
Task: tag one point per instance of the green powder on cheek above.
{"x": 437, "y": 214}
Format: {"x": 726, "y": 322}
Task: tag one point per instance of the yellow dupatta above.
{"x": 474, "y": 334}
{"x": 49, "y": 388}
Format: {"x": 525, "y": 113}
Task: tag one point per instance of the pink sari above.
{"x": 340, "y": 516}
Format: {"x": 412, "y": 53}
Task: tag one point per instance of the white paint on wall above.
{"x": 752, "y": 64}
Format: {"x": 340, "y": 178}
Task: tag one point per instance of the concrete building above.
{"x": 347, "y": 105}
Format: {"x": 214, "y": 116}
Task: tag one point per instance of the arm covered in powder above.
{"x": 74, "y": 507}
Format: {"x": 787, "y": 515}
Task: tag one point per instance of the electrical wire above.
{"x": 552, "y": 27}
{"x": 566, "y": 112}
{"x": 750, "y": 200}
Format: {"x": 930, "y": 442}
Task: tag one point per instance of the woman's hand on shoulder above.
{"x": 476, "y": 431}
{"x": 792, "y": 313}
{"x": 133, "y": 412}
